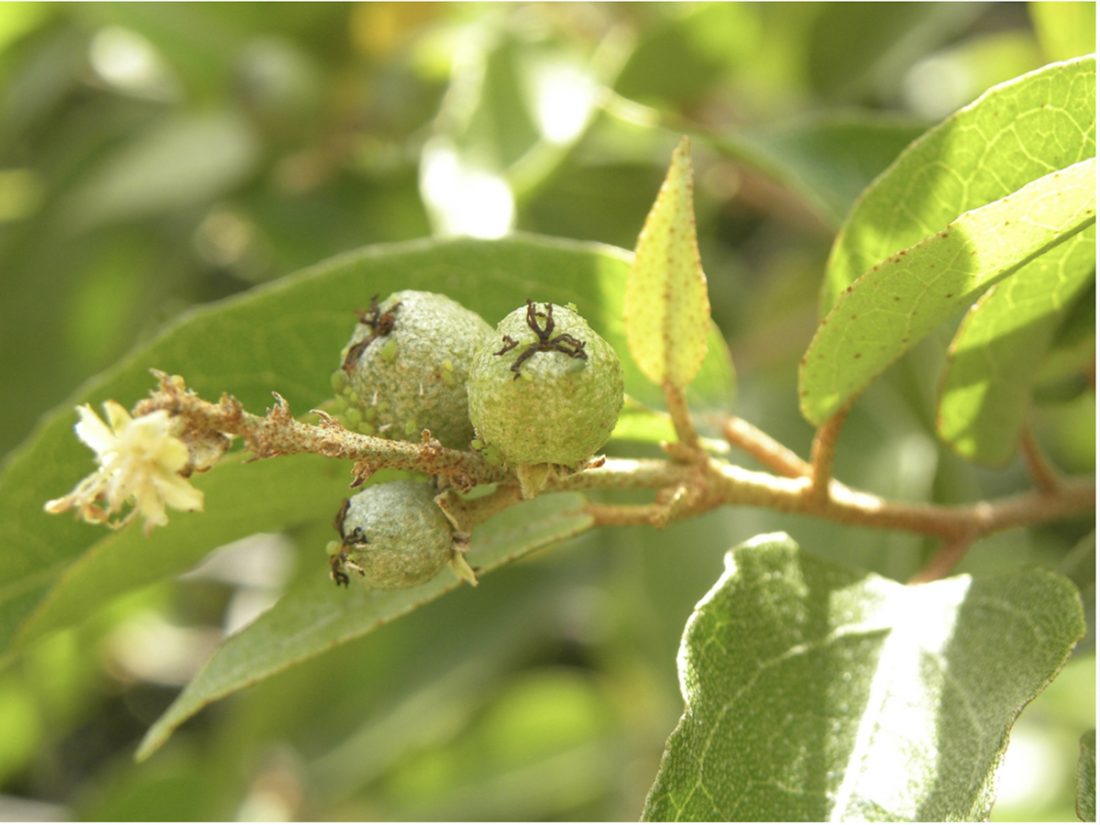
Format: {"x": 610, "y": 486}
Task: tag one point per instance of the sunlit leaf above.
{"x": 316, "y": 617}
{"x": 1011, "y": 135}
{"x": 666, "y": 307}
{"x": 1001, "y": 345}
{"x": 284, "y": 337}
{"x": 819, "y": 693}
{"x": 899, "y": 301}
{"x": 1064, "y": 30}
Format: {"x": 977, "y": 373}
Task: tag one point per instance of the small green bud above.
{"x": 408, "y": 361}
{"x": 394, "y": 535}
{"x": 339, "y": 381}
{"x": 548, "y": 390}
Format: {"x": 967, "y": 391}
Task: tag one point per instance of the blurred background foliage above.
{"x": 157, "y": 156}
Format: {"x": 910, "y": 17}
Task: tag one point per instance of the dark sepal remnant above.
{"x": 564, "y": 342}
{"x": 380, "y": 323}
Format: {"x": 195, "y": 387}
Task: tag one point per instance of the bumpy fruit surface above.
{"x": 547, "y": 389}
{"x": 406, "y": 366}
{"x": 394, "y": 535}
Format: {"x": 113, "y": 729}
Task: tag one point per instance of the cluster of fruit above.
{"x": 542, "y": 390}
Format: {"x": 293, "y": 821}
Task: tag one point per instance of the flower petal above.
{"x": 118, "y": 416}
{"x": 92, "y": 431}
{"x": 179, "y": 494}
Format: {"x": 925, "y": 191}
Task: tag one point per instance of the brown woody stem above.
{"x": 765, "y": 449}
{"x": 944, "y": 560}
{"x": 822, "y": 454}
{"x": 681, "y": 416}
{"x": 683, "y": 488}
{"x": 1043, "y": 472}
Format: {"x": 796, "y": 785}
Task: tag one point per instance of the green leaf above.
{"x": 1011, "y": 135}
{"x": 518, "y": 100}
{"x": 666, "y": 307}
{"x": 819, "y": 693}
{"x": 179, "y": 161}
{"x": 828, "y": 159}
{"x": 1086, "y": 778}
{"x": 1001, "y": 346}
{"x": 316, "y": 617}
{"x": 1068, "y": 363}
{"x": 705, "y": 42}
{"x": 899, "y": 301}
{"x": 244, "y": 499}
{"x": 283, "y": 337}
{"x": 1064, "y": 30}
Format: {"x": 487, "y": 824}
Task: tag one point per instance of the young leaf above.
{"x": 1012, "y": 134}
{"x": 902, "y": 299}
{"x": 285, "y": 336}
{"x": 1000, "y": 347}
{"x": 818, "y": 693}
{"x": 666, "y": 307}
{"x": 315, "y": 617}
{"x": 1086, "y": 778}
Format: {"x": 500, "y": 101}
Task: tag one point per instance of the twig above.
{"x": 1043, "y": 472}
{"x": 761, "y": 446}
{"x": 279, "y": 433}
{"x": 944, "y": 560}
{"x": 684, "y": 488}
{"x": 680, "y": 415}
{"x": 822, "y": 454}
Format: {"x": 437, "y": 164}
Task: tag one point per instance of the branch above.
{"x": 278, "y": 433}
{"x": 765, "y": 449}
{"x": 1043, "y": 472}
{"x": 681, "y": 416}
{"x": 822, "y": 454}
{"x": 684, "y": 487}
{"x": 949, "y": 554}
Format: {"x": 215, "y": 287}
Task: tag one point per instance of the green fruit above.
{"x": 405, "y": 368}
{"x": 548, "y": 391}
{"x": 394, "y": 535}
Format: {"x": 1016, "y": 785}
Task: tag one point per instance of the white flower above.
{"x": 140, "y": 461}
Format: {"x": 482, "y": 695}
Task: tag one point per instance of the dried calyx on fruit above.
{"x": 393, "y": 535}
{"x": 548, "y": 390}
{"x": 405, "y": 368}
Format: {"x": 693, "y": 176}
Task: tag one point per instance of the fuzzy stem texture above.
{"x": 683, "y": 488}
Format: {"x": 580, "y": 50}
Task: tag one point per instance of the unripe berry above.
{"x": 405, "y": 368}
{"x": 393, "y": 534}
{"x": 548, "y": 390}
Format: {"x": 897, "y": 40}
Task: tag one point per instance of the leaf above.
{"x": 852, "y": 51}
{"x": 285, "y": 336}
{"x": 1086, "y": 778}
{"x": 1064, "y": 30}
{"x": 178, "y": 162}
{"x": 666, "y": 306}
{"x": 315, "y": 617}
{"x": 1000, "y": 347}
{"x": 1011, "y": 135}
{"x": 815, "y": 692}
{"x": 705, "y": 42}
{"x": 245, "y": 499}
{"x": 517, "y": 101}
{"x": 1072, "y": 352}
{"x": 899, "y": 301}
{"x": 828, "y": 159}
